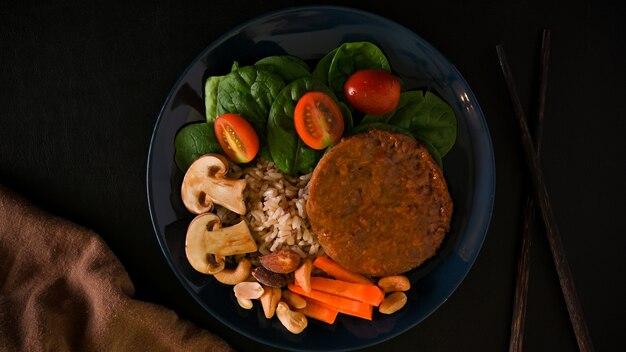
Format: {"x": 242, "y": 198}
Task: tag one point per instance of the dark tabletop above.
{"x": 82, "y": 85}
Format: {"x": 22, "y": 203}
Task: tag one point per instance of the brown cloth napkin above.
{"x": 62, "y": 289}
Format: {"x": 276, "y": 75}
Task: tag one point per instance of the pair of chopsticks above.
{"x": 531, "y": 152}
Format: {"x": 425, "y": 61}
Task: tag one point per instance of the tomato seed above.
{"x": 230, "y": 132}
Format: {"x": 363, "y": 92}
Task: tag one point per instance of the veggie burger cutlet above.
{"x": 379, "y": 204}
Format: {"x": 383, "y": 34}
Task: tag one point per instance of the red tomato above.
{"x": 318, "y": 120}
{"x": 236, "y": 137}
{"x": 374, "y": 92}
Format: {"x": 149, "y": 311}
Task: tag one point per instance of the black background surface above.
{"x": 82, "y": 85}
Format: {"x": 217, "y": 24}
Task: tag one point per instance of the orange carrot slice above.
{"x": 369, "y": 294}
{"x": 344, "y": 305}
{"x": 302, "y": 275}
{"x": 320, "y": 311}
{"x": 333, "y": 268}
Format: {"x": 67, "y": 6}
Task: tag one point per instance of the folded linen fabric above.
{"x": 63, "y": 289}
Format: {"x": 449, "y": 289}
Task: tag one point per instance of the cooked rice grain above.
{"x": 276, "y": 210}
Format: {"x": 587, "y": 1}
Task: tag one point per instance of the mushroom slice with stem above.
{"x": 205, "y": 184}
{"x": 215, "y": 264}
{"x": 205, "y": 237}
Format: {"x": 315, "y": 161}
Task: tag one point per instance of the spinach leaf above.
{"x": 249, "y": 91}
{"x": 426, "y": 116}
{"x": 404, "y": 112}
{"x": 434, "y": 152}
{"x": 348, "y": 121}
{"x": 351, "y": 57}
{"x": 364, "y": 127}
{"x": 288, "y": 151}
{"x": 323, "y": 66}
{"x": 288, "y": 67}
{"x": 210, "y": 93}
{"x": 210, "y": 97}
{"x": 264, "y": 152}
{"x": 431, "y": 120}
{"x": 193, "y": 141}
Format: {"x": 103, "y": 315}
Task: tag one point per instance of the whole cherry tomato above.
{"x": 373, "y": 92}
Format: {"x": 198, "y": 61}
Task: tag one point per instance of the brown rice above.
{"x": 276, "y": 211}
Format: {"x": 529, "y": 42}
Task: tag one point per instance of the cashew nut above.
{"x": 394, "y": 283}
{"x": 269, "y": 300}
{"x": 236, "y": 275}
{"x": 392, "y": 303}
{"x": 295, "y": 322}
{"x": 293, "y": 299}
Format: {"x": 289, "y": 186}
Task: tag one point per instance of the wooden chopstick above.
{"x": 572, "y": 301}
{"x": 523, "y": 264}
{"x": 543, "y": 87}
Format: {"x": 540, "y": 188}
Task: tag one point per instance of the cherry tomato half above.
{"x": 374, "y": 92}
{"x": 318, "y": 120}
{"x": 236, "y": 137}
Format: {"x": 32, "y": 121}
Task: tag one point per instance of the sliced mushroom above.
{"x": 216, "y": 264}
{"x": 205, "y": 237}
{"x": 205, "y": 184}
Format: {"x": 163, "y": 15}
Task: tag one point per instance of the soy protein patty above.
{"x": 379, "y": 203}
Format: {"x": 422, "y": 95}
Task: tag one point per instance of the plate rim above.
{"x": 485, "y": 172}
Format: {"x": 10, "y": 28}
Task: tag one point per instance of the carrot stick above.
{"x": 302, "y": 275}
{"x": 369, "y": 294}
{"x": 339, "y": 272}
{"x": 344, "y": 305}
{"x": 320, "y": 311}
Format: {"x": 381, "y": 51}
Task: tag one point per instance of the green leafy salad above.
{"x": 280, "y": 110}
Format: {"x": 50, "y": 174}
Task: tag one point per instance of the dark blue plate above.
{"x": 309, "y": 33}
